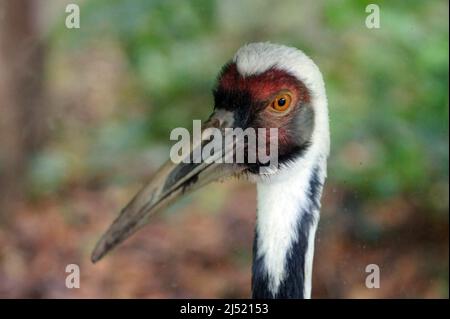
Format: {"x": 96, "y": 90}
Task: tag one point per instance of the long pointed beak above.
{"x": 171, "y": 182}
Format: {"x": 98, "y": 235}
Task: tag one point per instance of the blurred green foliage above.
{"x": 387, "y": 87}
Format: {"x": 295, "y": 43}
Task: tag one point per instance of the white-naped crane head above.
{"x": 264, "y": 86}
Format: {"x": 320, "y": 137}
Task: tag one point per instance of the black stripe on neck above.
{"x": 293, "y": 284}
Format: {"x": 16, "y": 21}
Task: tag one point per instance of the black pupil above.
{"x": 281, "y": 102}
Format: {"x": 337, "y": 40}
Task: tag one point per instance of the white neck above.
{"x": 289, "y": 209}
{"x": 288, "y": 213}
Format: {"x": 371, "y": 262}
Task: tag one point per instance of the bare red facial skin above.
{"x": 263, "y": 88}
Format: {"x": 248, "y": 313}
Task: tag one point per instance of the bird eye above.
{"x": 282, "y": 102}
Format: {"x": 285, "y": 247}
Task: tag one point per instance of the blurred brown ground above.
{"x": 196, "y": 254}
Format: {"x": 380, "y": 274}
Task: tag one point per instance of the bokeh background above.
{"x": 85, "y": 119}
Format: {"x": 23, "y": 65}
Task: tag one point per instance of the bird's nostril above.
{"x": 215, "y": 123}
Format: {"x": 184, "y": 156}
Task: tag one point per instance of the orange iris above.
{"x": 282, "y": 102}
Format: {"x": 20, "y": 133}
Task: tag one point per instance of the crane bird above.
{"x": 264, "y": 85}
